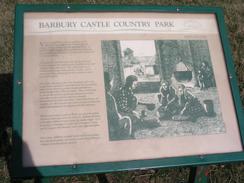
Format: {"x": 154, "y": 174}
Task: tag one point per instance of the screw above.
{"x": 201, "y": 157}
{"x": 74, "y": 166}
{"x": 19, "y": 82}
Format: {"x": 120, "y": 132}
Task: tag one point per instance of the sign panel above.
{"x": 102, "y": 87}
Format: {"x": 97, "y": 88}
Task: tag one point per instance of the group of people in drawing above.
{"x": 180, "y": 105}
{"x": 174, "y": 104}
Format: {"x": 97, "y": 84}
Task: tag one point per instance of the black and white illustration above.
{"x": 160, "y": 88}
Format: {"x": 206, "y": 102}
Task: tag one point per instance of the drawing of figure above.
{"x": 205, "y": 76}
{"x": 139, "y": 70}
{"x": 119, "y": 126}
{"x": 189, "y": 107}
{"x": 168, "y": 101}
{"x": 127, "y": 102}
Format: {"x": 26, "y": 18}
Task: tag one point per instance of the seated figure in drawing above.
{"x": 127, "y": 104}
{"x": 168, "y": 101}
{"x": 127, "y": 101}
{"x": 189, "y": 107}
{"x": 119, "y": 126}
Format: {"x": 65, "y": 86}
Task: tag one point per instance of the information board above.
{"x": 106, "y": 89}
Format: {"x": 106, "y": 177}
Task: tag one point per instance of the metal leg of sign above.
{"x": 199, "y": 174}
{"x": 192, "y": 175}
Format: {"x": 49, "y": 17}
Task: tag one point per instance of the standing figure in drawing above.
{"x": 205, "y": 76}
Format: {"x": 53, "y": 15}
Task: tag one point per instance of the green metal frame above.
{"x": 19, "y": 171}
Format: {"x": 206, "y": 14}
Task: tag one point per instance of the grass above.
{"x": 234, "y": 17}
